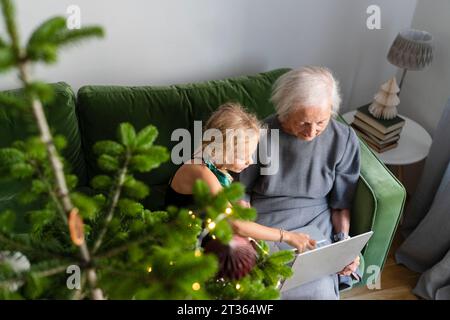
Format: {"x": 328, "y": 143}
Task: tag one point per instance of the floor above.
{"x": 397, "y": 281}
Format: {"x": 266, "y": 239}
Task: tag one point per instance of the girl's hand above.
{"x": 300, "y": 241}
{"x": 244, "y": 203}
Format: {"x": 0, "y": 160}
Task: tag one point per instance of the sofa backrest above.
{"x": 101, "y": 109}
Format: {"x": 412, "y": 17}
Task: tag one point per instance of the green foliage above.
{"x": 8, "y": 11}
{"x": 9, "y": 157}
{"x": 244, "y": 213}
{"x": 101, "y": 183}
{"x": 127, "y": 135}
{"x": 40, "y": 219}
{"x": 52, "y": 35}
{"x": 223, "y": 231}
{"x": 7, "y": 220}
{"x": 201, "y": 193}
{"x": 130, "y": 208}
{"x": 7, "y": 57}
{"x": 135, "y": 189}
{"x": 108, "y": 163}
{"x": 86, "y": 205}
{"x": 41, "y": 90}
{"x": 72, "y": 181}
{"x": 108, "y": 147}
{"x": 138, "y": 240}
{"x": 146, "y": 137}
{"x": 21, "y": 170}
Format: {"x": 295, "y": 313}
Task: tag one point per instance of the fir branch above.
{"x": 72, "y": 36}
{"x": 3, "y": 43}
{"x": 123, "y": 248}
{"x": 15, "y": 244}
{"x": 54, "y": 33}
{"x": 115, "y": 192}
{"x": 8, "y": 11}
{"x": 58, "y": 171}
{"x": 126, "y": 273}
{"x": 47, "y": 30}
{"x": 51, "y": 192}
{"x": 41, "y": 274}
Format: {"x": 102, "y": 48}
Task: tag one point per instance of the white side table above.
{"x": 413, "y": 145}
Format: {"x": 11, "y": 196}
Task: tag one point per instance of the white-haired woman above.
{"x": 318, "y": 168}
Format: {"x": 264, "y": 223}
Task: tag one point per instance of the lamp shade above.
{"x": 411, "y": 49}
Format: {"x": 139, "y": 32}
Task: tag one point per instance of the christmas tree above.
{"x": 111, "y": 246}
{"x": 386, "y": 101}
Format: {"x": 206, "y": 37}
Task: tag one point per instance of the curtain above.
{"x": 426, "y": 225}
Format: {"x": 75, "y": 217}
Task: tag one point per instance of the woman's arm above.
{"x": 340, "y": 219}
{"x": 341, "y": 223}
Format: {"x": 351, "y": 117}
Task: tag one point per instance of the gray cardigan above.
{"x": 325, "y": 169}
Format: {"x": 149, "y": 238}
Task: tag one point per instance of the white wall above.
{"x": 175, "y": 41}
{"x": 425, "y": 92}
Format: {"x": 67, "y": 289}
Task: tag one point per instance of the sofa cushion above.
{"x": 102, "y": 108}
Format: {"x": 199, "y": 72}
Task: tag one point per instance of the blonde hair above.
{"x": 229, "y": 122}
{"x": 307, "y": 86}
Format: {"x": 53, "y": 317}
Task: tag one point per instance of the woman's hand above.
{"x": 301, "y": 241}
{"x": 349, "y": 269}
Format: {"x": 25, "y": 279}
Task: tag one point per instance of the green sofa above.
{"x": 96, "y": 111}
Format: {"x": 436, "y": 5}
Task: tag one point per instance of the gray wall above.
{"x": 174, "y": 41}
{"x": 425, "y": 92}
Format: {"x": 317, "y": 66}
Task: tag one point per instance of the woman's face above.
{"x": 306, "y": 123}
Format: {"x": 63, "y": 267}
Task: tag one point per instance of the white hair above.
{"x": 308, "y": 86}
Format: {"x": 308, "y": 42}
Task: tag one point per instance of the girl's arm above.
{"x": 257, "y": 231}
{"x": 300, "y": 241}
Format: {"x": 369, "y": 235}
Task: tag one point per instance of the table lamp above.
{"x": 411, "y": 50}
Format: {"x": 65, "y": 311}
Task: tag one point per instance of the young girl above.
{"x": 212, "y": 163}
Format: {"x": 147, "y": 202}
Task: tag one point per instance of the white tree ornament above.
{"x": 385, "y": 101}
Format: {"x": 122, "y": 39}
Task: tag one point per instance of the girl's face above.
{"x": 243, "y": 155}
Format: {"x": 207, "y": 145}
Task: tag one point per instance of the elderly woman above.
{"x": 318, "y": 168}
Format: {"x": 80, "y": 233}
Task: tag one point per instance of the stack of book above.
{"x": 380, "y": 134}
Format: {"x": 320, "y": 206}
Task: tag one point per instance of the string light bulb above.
{"x": 228, "y": 210}
{"x": 214, "y": 237}
{"x": 238, "y": 286}
{"x": 198, "y": 252}
{"x": 211, "y": 225}
{"x": 190, "y": 212}
{"x": 171, "y": 263}
{"x": 196, "y": 286}
{"x": 149, "y": 269}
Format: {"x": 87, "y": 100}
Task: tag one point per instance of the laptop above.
{"x": 326, "y": 259}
